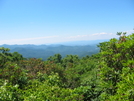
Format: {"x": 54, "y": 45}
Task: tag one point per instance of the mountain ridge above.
{"x": 80, "y": 48}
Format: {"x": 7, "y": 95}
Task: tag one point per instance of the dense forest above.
{"x": 105, "y": 76}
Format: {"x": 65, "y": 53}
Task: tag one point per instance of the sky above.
{"x": 55, "y": 21}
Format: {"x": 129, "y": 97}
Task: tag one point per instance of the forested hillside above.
{"x": 45, "y": 51}
{"x": 105, "y": 76}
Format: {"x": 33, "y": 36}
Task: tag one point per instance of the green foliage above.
{"x": 69, "y": 60}
{"x": 50, "y": 90}
{"x": 56, "y": 58}
{"x": 33, "y": 66}
{"x": 16, "y": 56}
{"x": 125, "y": 88}
{"x": 13, "y": 74}
{"x": 116, "y": 56}
{"x": 4, "y": 56}
{"x": 9, "y": 92}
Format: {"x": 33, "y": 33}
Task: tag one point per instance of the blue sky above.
{"x": 54, "y": 21}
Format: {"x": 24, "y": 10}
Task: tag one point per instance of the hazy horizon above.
{"x": 78, "y": 42}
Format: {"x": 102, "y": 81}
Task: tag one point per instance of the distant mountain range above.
{"x": 80, "y": 48}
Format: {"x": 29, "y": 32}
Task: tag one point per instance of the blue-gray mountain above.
{"x": 80, "y": 48}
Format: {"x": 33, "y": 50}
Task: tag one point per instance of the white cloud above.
{"x": 129, "y": 32}
{"x": 26, "y": 40}
{"x": 95, "y": 36}
{"x": 103, "y": 33}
